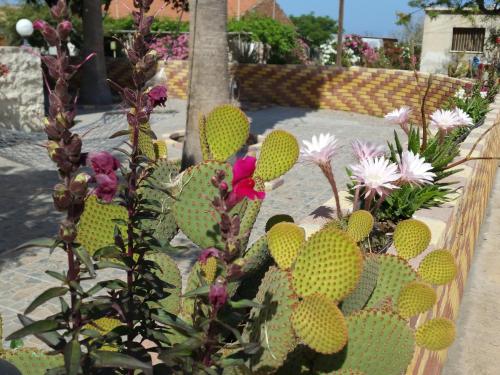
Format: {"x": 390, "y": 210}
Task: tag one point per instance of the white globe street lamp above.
{"x": 24, "y": 28}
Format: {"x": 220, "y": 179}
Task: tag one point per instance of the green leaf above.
{"x": 72, "y": 355}
{"x": 107, "y": 252}
{"x": 84, "y": 257}
{"x": 104, "y": 264}
{"x": 57, "y": 275}
{"x": 119, "y": 360}
{"x": 243, "y": 303}
{"x": 16, "y": 344}
{"x": 119, "y": 133}
{"x": 40, "y": 326}
{"x": 39, "y": 242}
{"x": 202, "y": 290}
{"x": 52, "y": 339}
{"x": 46, "y": 296}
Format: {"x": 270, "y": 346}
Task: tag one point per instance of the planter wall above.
{"x": 455, "y": 226}
{"x": 362, "y": 90}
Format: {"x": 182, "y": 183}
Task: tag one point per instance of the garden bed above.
{"x": 454, "y": 226}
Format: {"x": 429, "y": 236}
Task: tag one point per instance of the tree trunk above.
{"x": 208, "y": 69}
{"x": 94, "y": 88}
{"x": 340, "y": 34}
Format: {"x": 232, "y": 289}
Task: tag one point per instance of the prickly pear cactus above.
{"x": 330, "y": 263}
{"x": 436, "y": 334}
{"x": 226, "y": 129}
{"x": 145, "y": 141}
{"x": 284, "y": 241}
{"x": 374, "y": 339}
{"x": 160, "y": 147}
{"x": 411, "y": 238}
{"x": 358, "y": 299}
{"x": 271, "y": 325}
{"x": 170, "y": 274}
{"x": 193, "y": 210}
{"x": 164, "y": 226}
{"x": 360, "y": 225}
{"x": 394, "y": 273}
{"x": 279, "y": 153}
{"x": 415, "y": 298}
{"x": 33, "y": 361}
{"x": 96, "y": 227}
{"x": 438, "y": 267}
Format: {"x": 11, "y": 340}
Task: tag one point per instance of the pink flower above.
{"x": 243, "y": 183}
{"x": 103, "y": 162}
{"x": 399, "y": 116}
{"x": 158, "y": 96}
{"x": 107, "y": 186}
{"x": 414, "y": 169}
{"x": 64, "y": 28}
{"x": 463, "y": 118}
{"x": 320, "y": 150}
{"x": 217, "y": 296}
{"x": 444, "y": 120}
{"x": 366, "y": 150}
{"x": 376, "y": 175}
{"x": 211, "y": 252}
{"x": 39, "y": 25}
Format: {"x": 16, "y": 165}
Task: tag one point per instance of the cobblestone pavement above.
{"x": 26, "y": 176}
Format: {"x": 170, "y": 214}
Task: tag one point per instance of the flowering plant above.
{"x": 172, "y": 47}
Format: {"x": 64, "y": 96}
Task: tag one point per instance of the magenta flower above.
{"x": 158, "y": 96}
{"x": 217, "y": 296}
{"x": 211, "y": 252}
{"x": 64, "y": 28}
{"x": 107, "y": 186}
{"x": 243, "y": 183}
{"x": 103, "y": 162}
{"x": 39, "y": 25}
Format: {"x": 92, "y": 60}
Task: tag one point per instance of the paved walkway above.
{"x": 477, "y": 348}
{"x": 27, "y": 175}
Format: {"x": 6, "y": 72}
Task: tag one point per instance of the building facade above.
{"x": 455, "y": 39}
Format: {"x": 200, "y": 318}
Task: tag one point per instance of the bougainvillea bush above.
{"x": 172, "y": 47}
{"x": 288, "y": 303}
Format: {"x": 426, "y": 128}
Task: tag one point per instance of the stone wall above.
{"x": 21, "y": 90}
{"x": 362, "y": 90}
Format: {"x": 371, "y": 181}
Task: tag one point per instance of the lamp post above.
{"x": 24, "y": 28}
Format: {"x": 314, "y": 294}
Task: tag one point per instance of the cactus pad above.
{"x": 205, "y": 150}
{"x": 251, "y": 212}
{"x": 330, "y": 263}
{"x": 160, "y": 147}
{"x": 145, "y": 141}
{"x": 394, "y": 273}
{"x": 279, "y": 152}
{"x": 380, "y": 343}
{"x": 276, "y": 219}
{"x": 284, "y": 241}
{"x": 436, "y": 334}
{"x": 360, "y": 296}
{"x": 411, "y": 238}
{"x": 438, "y": 267}
{"x": 170, "y": 274}
{"x": 416, "y": 298}
{"x": 96, "y": 228}
{"x": 209, "y": 269}
{"x": 32, "y": 361}
{"x": 319, "y": 323}
{"x": 193, "y": 210}
{"x": 348, "y": 371}
{"x": 360, "y": 225}
{"x": 256, "y": 256}
{"x": 271, "y": 326}
{"x": 164, "y": 226}
{"x": 226, "y": 130}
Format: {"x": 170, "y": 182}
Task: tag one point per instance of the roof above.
{"x": 123, "y": 8}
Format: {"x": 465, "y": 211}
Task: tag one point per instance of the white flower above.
{"x": 460, "y": 93}
{"x": 320, "y": 150}
{"x": 444, "y": 120}
{"x": 376, "y": 176}
{"x": 399, "y": 116}
{"x": 483, "y": 94}
{"x": 366, "y": 150}
{"x": 414, "y": 170}
{"x": 463, "y": 118}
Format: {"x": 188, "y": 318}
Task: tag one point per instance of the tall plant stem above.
{"x": 326, "y": 168}
{"x": 423, "y": 104}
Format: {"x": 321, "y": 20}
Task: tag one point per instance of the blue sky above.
{"x": 376, "y": 17}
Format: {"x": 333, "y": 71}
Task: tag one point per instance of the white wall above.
{"x": 21, "y": 90}
{"x": 438, "y": 35}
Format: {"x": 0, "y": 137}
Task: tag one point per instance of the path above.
{"x": 477, "y": 348}
{"x": 27, "y": 175}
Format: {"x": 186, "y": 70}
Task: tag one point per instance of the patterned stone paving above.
{"x": 26, "y": 176}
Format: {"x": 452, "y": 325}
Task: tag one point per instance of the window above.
{"x": 468, "y": 39}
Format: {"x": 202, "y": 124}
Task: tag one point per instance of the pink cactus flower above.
{"x": 211, "y": 252}
{"x": 414, "y": 169}
{"x": 376, "y": 175}
{"x": 102, "y": 162}
{"x": 444, "y": 120}
{"x": 158, "y": 96}
{"x": 107, "y": 186}
{"x": 320, "y": 150}
{"x": 463, "y": 118}
{"x": 399, "y": 116}
{"x": 366, "y": 150}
